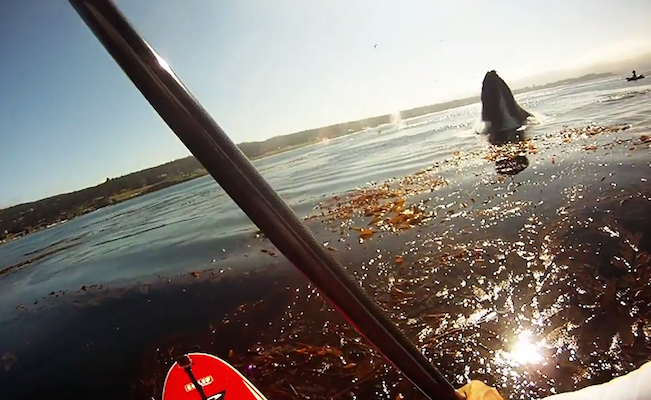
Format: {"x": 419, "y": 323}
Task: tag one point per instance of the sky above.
{"x": 70, "y": 118}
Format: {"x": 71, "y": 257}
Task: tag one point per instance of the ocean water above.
{"x": 185, "y": 227}
{"x": 163, "y": 236}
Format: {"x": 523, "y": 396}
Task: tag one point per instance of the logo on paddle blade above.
{"x": 205, "y": 381}
{"x": 217, "y": 396}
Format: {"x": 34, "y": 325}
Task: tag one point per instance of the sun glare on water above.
{"x": 524, "y": 351}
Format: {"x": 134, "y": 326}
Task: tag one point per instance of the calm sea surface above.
{"x": 196, "y": 226}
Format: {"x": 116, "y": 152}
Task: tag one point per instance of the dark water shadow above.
{"x": 112, "y": 339}
{"x": 509, "y": 164}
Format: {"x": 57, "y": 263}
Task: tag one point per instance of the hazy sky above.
{"x": 69, "y": 118}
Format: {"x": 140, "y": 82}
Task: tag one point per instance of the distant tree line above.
{"x": 274, "y": 144}
{"x": 28, "y": 217}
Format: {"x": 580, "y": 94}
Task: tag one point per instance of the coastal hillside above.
{"x": 25, "y": 218}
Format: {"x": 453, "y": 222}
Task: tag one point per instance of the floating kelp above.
{"x": 536, "y": 283}
{"x": 383, "y": 206}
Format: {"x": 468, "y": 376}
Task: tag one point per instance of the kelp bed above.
{"x": 536, "y": 283}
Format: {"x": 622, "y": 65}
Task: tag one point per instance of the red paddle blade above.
{"x": 218, "y": 380}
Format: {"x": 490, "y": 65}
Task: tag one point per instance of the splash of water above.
{"x": 537, "y": 118}
{"x": 395, "y": 117}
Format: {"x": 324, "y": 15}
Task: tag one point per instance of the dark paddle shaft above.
{"x": 244, "y": 184}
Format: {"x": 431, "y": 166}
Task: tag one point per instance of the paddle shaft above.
{"x": 238, "y": 177}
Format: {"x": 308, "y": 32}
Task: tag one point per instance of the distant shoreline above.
{"x": 23, "y": 219}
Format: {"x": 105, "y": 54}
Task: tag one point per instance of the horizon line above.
{"x": 532, "y": 87}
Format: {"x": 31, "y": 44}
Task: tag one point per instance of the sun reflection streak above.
{"x": 164, "y": 65}
{"x": 525, "y": 351}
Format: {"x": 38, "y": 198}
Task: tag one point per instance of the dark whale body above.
{"x": 501, "y": 113}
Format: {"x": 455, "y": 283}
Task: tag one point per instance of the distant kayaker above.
{"x": 636, "y": 385}
{"x": 634, "y": 74}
